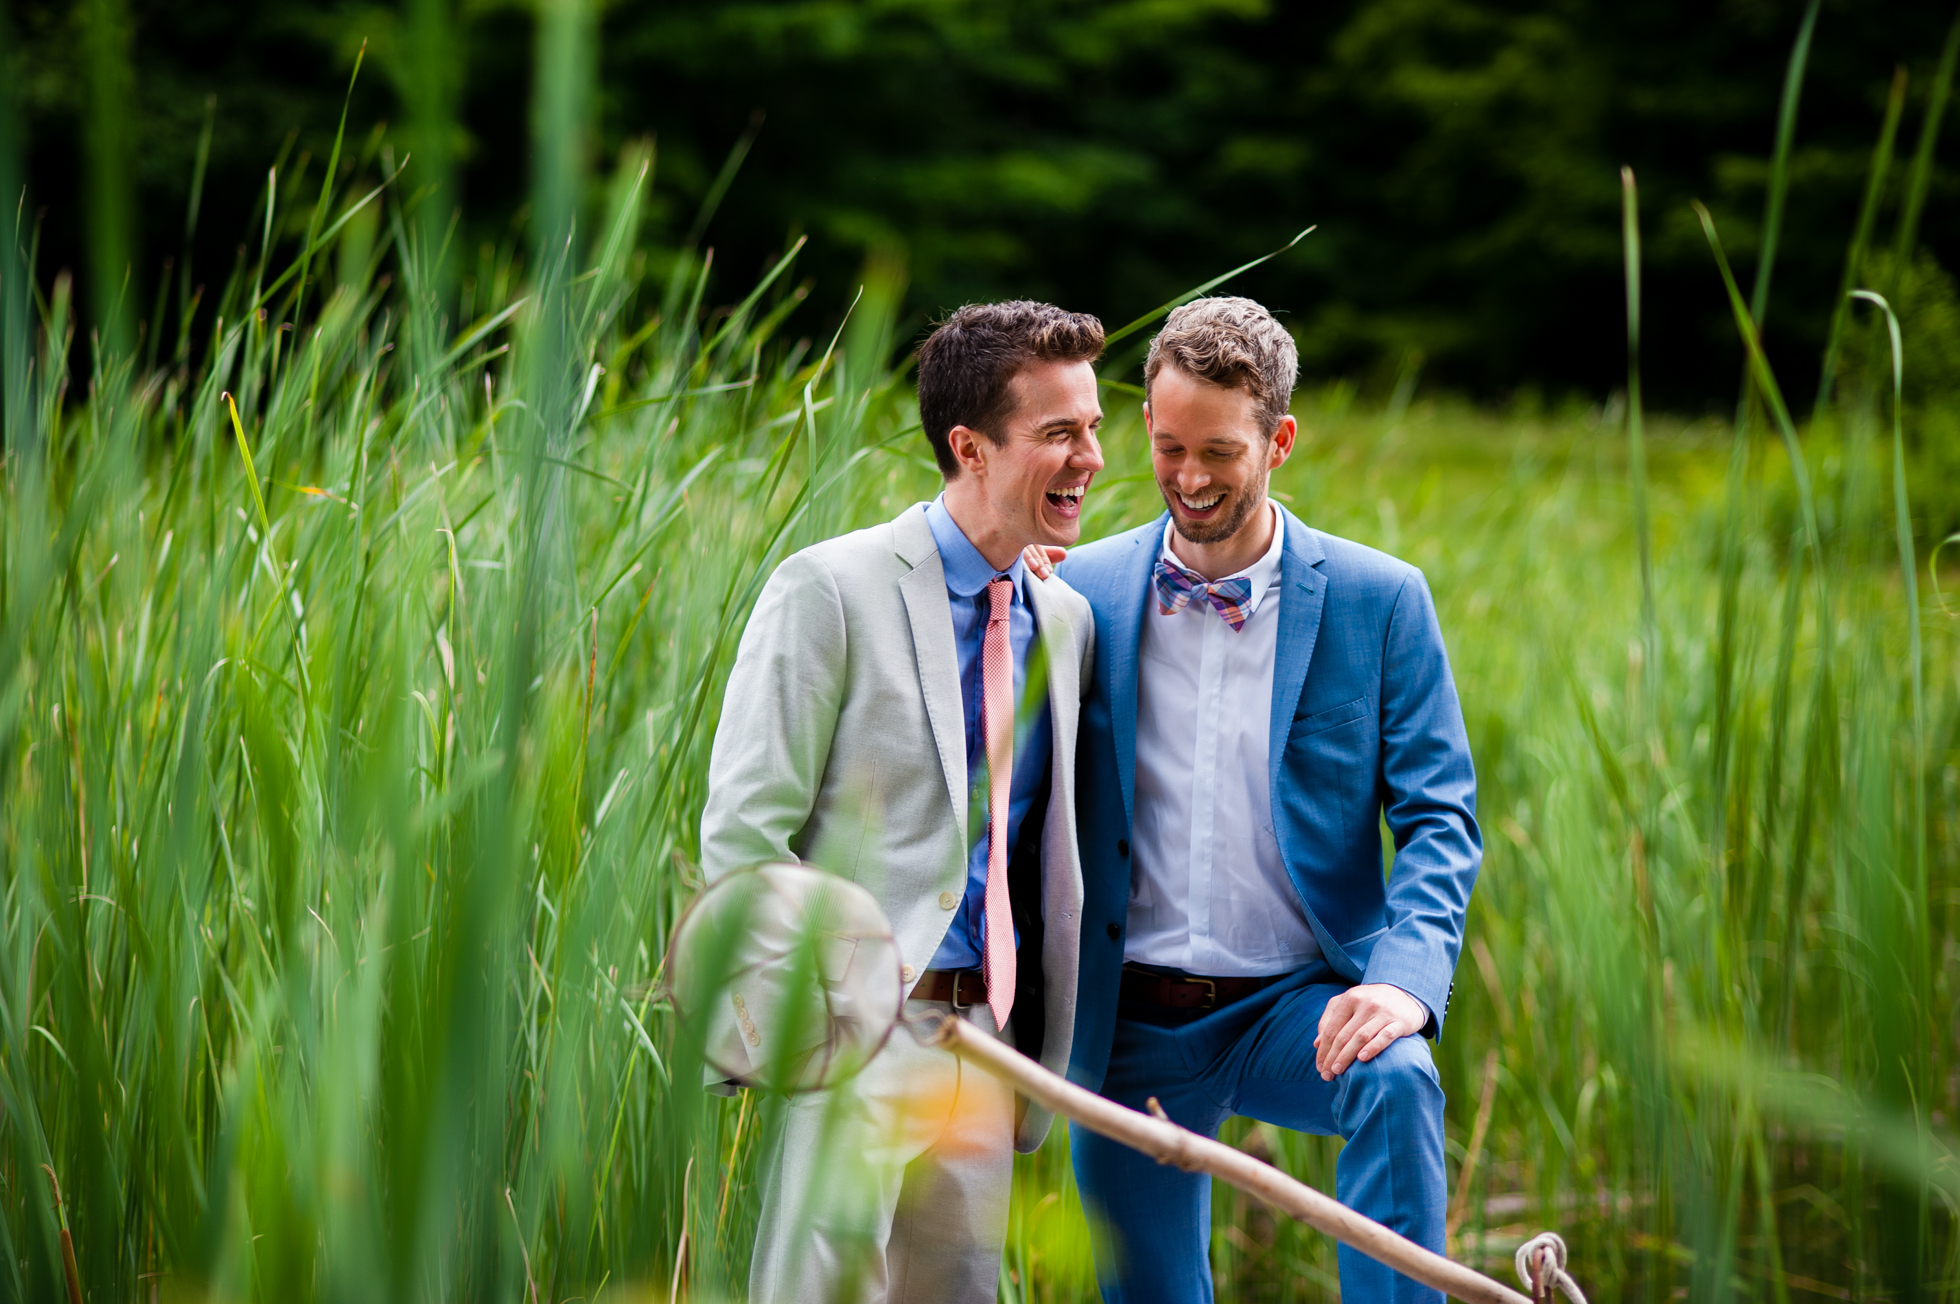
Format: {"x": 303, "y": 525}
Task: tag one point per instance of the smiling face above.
{"x": 1029, "y": 488}
{"x": 1210, "y": 454}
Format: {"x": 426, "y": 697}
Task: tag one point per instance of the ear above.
{"x": 1283, "y": 439}
{"x": 969, "y": 448}
{"x": 1149, "y": 430}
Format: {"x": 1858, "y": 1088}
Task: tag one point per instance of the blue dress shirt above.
{"x": 967, "y": 576}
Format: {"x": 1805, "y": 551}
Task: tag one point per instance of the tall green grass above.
{"x": 351, "y": 750}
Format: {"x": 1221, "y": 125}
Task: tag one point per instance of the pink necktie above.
{"x": 997, "y": 721}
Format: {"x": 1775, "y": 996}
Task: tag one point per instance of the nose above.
{"x": 1087, "y": 454}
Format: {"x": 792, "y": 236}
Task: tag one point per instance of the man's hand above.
{"x": 1042, "y": 559}
{"x": 1361, "y": 1023}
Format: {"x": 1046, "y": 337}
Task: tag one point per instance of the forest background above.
{"x": 1461, "y": 157}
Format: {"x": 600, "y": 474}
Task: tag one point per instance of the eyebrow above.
{"x": 1171, "y": 434}
{"x": 1214, "y": 441}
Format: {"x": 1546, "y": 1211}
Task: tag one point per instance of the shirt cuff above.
{"x": 1428, "y": 1015}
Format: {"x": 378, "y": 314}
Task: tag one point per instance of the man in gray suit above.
{"x": 870, "y": 726}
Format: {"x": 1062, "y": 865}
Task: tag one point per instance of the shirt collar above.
{"x": 1262, "y": 573}
{"x": 967, "y": 572}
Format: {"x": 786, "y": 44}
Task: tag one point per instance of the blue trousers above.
{"x": 1151, "y": 1223}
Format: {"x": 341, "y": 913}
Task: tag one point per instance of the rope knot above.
{"x": 1540, "y": 1262}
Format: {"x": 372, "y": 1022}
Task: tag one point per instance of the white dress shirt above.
{"x": 1208, "y": 891}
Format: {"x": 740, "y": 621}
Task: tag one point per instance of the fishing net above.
{"x": 789, "y": 975}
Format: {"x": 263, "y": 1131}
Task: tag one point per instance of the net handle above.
{"x": 1157, "y": 1136}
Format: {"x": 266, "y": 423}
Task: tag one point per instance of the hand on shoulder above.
{"x": 1042, "y": 560}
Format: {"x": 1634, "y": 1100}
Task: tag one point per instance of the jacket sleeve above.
{"x": 778, "y": 715}
{"x": 1430, "y": 803}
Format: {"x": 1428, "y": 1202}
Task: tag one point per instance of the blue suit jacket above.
{"x": 1365, "y": 725}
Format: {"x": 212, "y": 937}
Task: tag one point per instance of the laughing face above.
{"x": 1211, "y": 454}
{"x": 1029, "y": 489}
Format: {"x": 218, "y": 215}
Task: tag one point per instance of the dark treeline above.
{"x": 1460, "y": 157}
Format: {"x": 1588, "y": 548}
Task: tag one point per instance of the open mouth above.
{"x": 1200, "y": 506}
{"x": 1067, "y": 502}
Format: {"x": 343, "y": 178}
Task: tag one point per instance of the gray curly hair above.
{"x": 1231, "y": 342}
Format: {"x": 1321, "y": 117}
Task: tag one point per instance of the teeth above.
{"x": 1200, "y": 504}
{"x": 1074, "y": 492}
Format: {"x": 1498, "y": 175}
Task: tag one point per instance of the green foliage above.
{"x": 351, "y": 755}
{"x": 1928, "y": 304}
{"x": 342, "y": 840}
{"x": 351, "y": 748}
{"x": 1459, "y": 155}
{"x": 1698, "y": 951}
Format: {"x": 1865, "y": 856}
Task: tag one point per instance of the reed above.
{"x": 362, "y": 641}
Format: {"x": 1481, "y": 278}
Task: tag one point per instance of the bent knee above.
{"x": 1403, "y": 1068}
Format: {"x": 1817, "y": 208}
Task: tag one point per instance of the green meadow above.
{"x": 362, "y": 640}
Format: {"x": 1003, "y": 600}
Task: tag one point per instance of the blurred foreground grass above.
{"x": 350, "y": 759}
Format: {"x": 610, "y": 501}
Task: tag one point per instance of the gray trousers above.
{"x": 892, "y": 1188}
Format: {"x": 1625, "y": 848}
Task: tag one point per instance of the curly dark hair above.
{"x": 967, "y": 365}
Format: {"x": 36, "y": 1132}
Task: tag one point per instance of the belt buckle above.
{"x": 1211, "y": 992}
{"x": 959, "y": 977}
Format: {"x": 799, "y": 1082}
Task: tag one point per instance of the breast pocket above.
{"x": 1332, "y": 755}
{"x": 1332, "y": 718}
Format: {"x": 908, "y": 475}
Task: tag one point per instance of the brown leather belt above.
{"x": 1188, "y": 993}
{"x": 962, "y": 987}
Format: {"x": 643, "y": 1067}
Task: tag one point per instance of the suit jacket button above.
{"x": 1123, "y": 847}
{"x": 1115, "y": 931}
{"x": 908, "y": 973}
{"x": 947, "y": 900}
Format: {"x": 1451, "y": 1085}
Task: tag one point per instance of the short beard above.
{"x": 1225, "y": 526}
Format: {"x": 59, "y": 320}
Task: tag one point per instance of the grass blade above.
{"x": 15, "y": 346}
{"x": 1922, "y": 156}
{"x": 1779, "y": 168}
{"x": 1909, "y": 578}
{"x": 1636, "y": 434}
{"x": 1854, "y": 257}
{"x": 110, "y": 210}
{"x": 711, "y": 201}
{"x": 1766, "y": 382}
{"x": 326, "y": 185}
{"x": 1196, "y": 290}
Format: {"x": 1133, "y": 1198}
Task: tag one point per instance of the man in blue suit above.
{"x": 1264, "y": 697}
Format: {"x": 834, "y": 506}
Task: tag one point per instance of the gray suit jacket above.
{"x": 843, "y": 743}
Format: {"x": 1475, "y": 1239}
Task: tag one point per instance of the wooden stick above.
{"x": 1168, "y": 1143}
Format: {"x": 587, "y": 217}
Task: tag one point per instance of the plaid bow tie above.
{"x": 1177, "y": 587}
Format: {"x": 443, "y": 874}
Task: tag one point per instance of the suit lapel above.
{"x": 1303, "y": 596}
{"x": 1062, "y": 655}
{"x": 1124, "y": 646}
{"x": 930, "y": 613}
